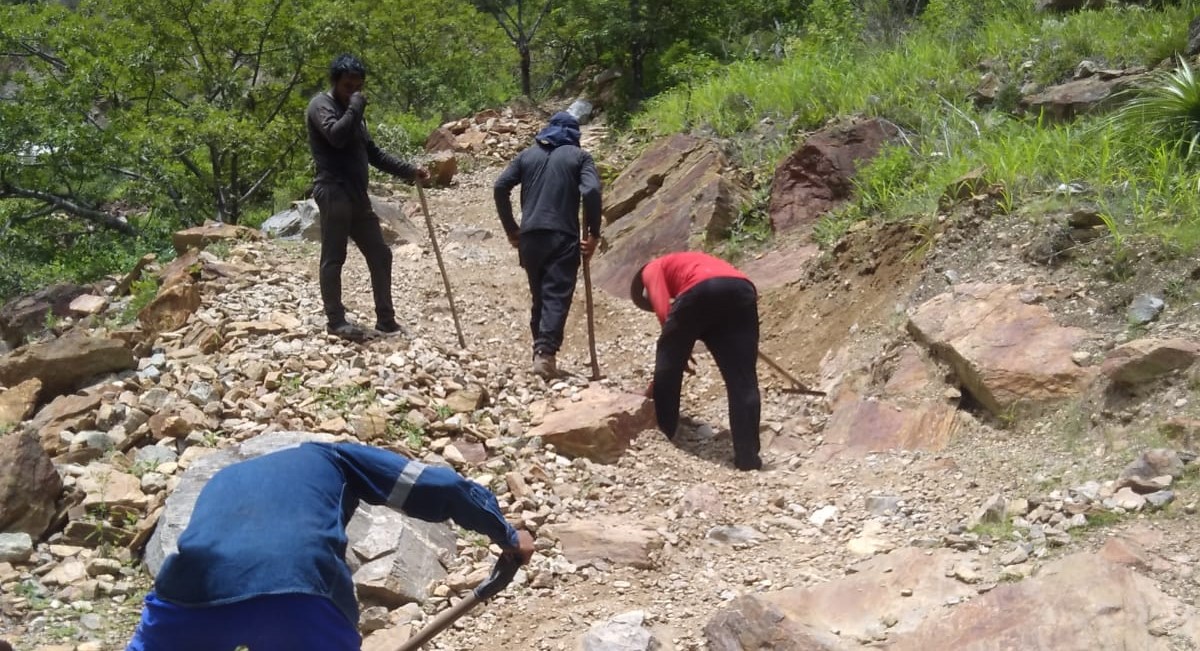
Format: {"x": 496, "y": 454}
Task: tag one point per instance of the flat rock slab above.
{"x": 608, "y": 540}
{"x": 599, "y": 426}
{"x": 1079, "y": 603}
{"x": 1005, "y": 352}
{"x": 395, "y": 557}
{"x": 63, "y": 364}
{"x": 859, "y": 426}
{"x": 819, "y": 175}
{"x": 675, "y": 197}
{"x": 1143, "y": 360}
{"x": 907, "y": 585}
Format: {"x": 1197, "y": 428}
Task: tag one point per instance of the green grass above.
{"x": 922, "y": 81}
{"x": 141, "y": 292}
{"x": 995, "y": 530}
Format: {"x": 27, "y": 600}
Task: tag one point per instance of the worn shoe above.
{"x": 347, "y": 331}
{"x": 391, "y": 328}
{"x": 545, "y": 366}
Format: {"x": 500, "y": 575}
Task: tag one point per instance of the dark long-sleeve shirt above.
{"x": 668, "y": 277}
{"x": 276, "y": 524}
{"x": 554, "y": 181}
{"x": 342, "y": 148}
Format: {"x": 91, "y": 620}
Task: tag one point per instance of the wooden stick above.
{"x": 437, "y": 252}
{"x": 591, "y": 319}
{"x": 800, "y": 388}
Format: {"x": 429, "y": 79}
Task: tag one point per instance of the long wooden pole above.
{"x": 437, "y": 252}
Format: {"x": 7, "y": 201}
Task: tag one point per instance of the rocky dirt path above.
{"x": 670, "y": 531}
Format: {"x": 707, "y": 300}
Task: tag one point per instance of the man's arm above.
{"x": 655, "y": 281}
{"x": 589, "y": 190}
{"x": 386, "y": 162}
{"x": 429, "y": 493}
{"x": 338, "y": 130}
{"x": 502, "y": 191}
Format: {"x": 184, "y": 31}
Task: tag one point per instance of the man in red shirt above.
{"x": 699, "y": 297}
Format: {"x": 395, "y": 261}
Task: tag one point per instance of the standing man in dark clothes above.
{"x": 555, "y": 176}
{"x": 717, "y": 304}
{"x": 342, "y": 149}
{"x": 262, "y": 564}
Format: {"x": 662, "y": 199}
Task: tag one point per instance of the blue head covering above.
{"x": 562, "y": 130}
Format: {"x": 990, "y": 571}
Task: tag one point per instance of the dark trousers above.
{"x": 551, "y": 261}
{"x": 723, "y": 313}
{"x": 347, "y": 216}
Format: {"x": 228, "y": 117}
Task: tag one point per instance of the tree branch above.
{"x": 68, "y": 205}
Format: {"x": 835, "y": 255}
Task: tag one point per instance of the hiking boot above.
{"x": 392, "y": 328}
{"x": 544, "y": 365}
{"x": 347, "y": 331}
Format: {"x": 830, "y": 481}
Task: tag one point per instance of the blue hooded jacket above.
{"x": 562, "y": 130}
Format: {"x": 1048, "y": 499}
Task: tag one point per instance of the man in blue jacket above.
{"x": 262, "y": 561}
{"x": 555, "y": 176}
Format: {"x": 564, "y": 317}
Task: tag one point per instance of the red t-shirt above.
{"x": 673, "y": 274}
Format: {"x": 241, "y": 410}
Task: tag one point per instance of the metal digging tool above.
{"x": 591, "y": 319}
{"x": 502, "y": 574}
{"x": 798, "y": 386}
{"x": 437, "y": 252}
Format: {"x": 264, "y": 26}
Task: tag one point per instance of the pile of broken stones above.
{"x": 110, "y": 428}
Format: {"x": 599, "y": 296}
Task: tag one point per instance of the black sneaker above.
{"x": 391, "y": 328}
{"x": 347, "y": 331}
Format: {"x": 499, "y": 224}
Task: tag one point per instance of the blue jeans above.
{"x": 289, "y": 622}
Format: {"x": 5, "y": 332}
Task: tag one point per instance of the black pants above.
{"x": 347, "y": 216}
{"x": 551, "y": 261}
{"x": 723, "y": 313}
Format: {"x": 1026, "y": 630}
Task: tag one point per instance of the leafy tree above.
{"x": 520, "y": 20}
{"x": 442, "y": 58}
{"x": 199, "y": 103}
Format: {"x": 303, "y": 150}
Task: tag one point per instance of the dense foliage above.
{"x": 121, "y": 120}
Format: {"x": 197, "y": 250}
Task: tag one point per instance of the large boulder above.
{"x": 819, "y": 175}
{"x": 1143, "y": 360}
{"x": 394, "y": 556}
{"x": 201, "y": 236}
{"x": 1089, "y": 95}
{"x": 397, "y": 220}
{"x": 675, "y": 197}
{"x": 29, "y": 484}
{"x": 64, "y": 364}
{"x": 599, "y": 427}
{"x": 1006, "y": 353}
{"x": 293, "y": 223}
{"x": 399, "y": 556}
{"x": 26, "y": 315}
{"x": 17, "y": 403}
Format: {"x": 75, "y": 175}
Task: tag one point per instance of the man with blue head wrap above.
{"x": 556, "y": 175}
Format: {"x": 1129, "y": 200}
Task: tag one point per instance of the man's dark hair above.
{"x": 346, "y": 64}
